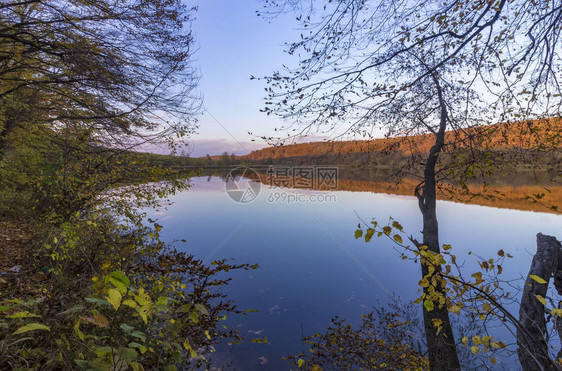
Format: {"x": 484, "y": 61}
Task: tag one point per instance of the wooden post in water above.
{"x": 531, "y": 332}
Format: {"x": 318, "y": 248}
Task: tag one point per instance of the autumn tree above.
{"x": 81, "y": 84}
{"x": 118, "y": 69}
{"x": 422, "y": 67}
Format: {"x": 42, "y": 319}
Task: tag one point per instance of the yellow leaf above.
{"x": 537, "y": 279}
{"x": 474, "y": 349}
{"x": 77, "y": 331}
{"x": 541, "y": 299}
{"x": 478, "y": 277}
{"x": 397, "y": 238}
{"x": 114, "y": 298}
{"x": 142, "y": 297}
{"x": 487, "y": 307}
{"x": 31, "y": 327}
{"x": 455, "y": 309}
{"x": 130, "y": 303}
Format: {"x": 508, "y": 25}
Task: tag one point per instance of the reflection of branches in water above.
{"x": 391, "y": 335}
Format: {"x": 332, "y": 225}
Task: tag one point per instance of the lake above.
{"x": 311, "y": 266}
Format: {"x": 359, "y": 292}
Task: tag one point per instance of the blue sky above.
{"x": 234, "y": 44}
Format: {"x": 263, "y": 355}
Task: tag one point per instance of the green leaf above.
{"x": 201, "y": 308}
{"x": 537, "y": 278}
{"x": 82, "y": 363}
{"x": 185, "y": 308}
{"x": 397, "y": 225}
{"x": 194, "y": 317}
{"x": 101, "y": 351}
{"x": 24, "y": 314}
{"x": 119, "y": 280}
{"x": 358, "y": 233}
{"x": 134, "y": 344}
{"x": 126, "y": 328}
{"x": 139, "y": 335}
{"x": 77, "y": 308}
{"x": 31, "y": 327}
{"x": 300, "y": 362}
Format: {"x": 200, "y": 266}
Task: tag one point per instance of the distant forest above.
{"x": 501, "y": 137}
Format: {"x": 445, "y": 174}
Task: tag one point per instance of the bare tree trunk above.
{"x": 531, "y": 334}
{"x": 441, "y": 346}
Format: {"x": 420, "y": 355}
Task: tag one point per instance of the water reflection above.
{"x": 523, "y": 190}
{"x": 311, "y": 266}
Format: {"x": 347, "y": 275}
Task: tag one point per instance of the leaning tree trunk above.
{"x": 531, "y": 332}
{"x": 441, "y": 345}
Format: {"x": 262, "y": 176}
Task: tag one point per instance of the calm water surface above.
{"x": 311, "y": 266}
